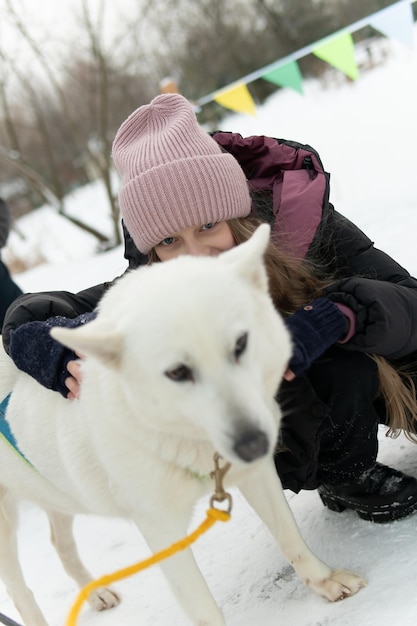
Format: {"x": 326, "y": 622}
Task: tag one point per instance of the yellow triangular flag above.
{"x": 339, "y": 52}
{"x": 237, "y": 99}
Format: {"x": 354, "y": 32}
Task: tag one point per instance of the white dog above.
{"x": 183, "y": 360}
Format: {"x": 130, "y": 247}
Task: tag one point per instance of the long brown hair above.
{"x": 292, "y": 283}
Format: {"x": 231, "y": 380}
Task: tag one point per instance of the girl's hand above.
{"x": 289, "y": 375}
{"x": 74, "y": 380}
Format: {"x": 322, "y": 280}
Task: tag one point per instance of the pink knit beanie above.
{"x": 174, "y": 175}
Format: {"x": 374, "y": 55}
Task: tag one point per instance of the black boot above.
{"x": 381, "y": 494}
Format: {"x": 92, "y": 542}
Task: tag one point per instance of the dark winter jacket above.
{"x": 382, "y": 294}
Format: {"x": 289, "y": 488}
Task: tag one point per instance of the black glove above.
{"x": 314, "y": 328}
{"x": 35, "y": 352}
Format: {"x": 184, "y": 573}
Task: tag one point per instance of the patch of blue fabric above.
{"x": 5, "y": 431}
{"x": 4, "y": 424}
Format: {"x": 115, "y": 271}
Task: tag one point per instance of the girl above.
{"x": 351, "y": 309}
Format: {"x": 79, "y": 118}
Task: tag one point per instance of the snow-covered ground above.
{"x": 366, "y": 134}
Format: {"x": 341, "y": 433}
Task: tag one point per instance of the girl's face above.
{"x": 207, "y": 240}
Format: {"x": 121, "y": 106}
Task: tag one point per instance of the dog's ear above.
{"x": 248, "y": 257}
{"x": 91, "y": 340}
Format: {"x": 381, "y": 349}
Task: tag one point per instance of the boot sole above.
{"x": 380, "y": 516}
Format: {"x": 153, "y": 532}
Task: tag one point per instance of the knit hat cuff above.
{"x": 189, "y": 192}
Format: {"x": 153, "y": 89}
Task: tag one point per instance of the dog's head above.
{"x": 197, "y": 348}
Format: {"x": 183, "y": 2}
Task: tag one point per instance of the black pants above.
{"x": 9, "y": 291}
{"x": 330, "y": 424}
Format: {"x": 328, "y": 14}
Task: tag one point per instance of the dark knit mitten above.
{"x": 35, "y": 352}
{"x": 314, "y": 328}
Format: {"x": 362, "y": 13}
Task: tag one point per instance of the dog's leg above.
{"x": 262, "y": 489}
{"x": 10, "y": 570}
{"x": 182, "y": 572}
{"x": 63, "y": 540}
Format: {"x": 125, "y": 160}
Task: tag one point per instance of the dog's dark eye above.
{"x": 241, "y": 344}
{"x": 180, "y": 374}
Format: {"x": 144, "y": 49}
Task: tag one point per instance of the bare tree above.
{"x": 74, "y": 113}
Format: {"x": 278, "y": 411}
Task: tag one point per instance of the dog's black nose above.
{"x": 251, "y": 445}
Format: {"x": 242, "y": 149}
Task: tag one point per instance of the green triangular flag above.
{"x": 288, "y": 75}
{"x": 340, "y": 53}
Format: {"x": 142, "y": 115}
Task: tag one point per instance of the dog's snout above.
{"x": 251, "y": 445}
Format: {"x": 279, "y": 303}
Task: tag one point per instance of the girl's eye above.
{"x": 208, "y": 226}
{"x": 168, "y": 241}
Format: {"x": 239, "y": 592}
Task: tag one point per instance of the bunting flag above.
{"x": 288, "y": 75}
{"x": 396, "y": 21}
{"x": 237, "y": 99}
{"x": 339, "y": 52}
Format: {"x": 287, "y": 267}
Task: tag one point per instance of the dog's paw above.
{"x": 340, "y": 585}
{"x": 102, "y": 599}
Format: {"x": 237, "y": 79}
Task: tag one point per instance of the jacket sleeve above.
{"x": 35, "y": 352}
{"x": 381, "y": 293}
{"x": 42, "y": 306}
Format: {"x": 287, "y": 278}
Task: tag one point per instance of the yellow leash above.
{"x": 213, "y": 515}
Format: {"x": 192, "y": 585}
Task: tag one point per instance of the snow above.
{"x": 366, "y": 135}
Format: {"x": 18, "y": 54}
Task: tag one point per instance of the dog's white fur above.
{"x": 137, "y": 442}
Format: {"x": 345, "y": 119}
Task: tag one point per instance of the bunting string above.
{"x": 395, "y": 21}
